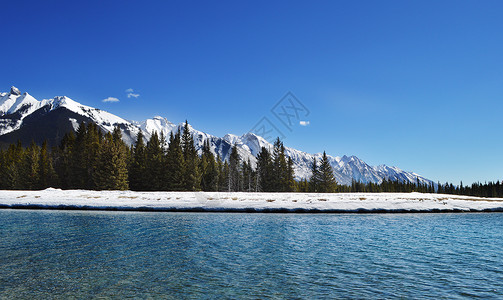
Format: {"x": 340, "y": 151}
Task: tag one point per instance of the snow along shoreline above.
{"x": 246, "y": 202}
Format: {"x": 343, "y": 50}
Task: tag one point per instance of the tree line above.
{"x": 91, "y": 159}
{"x": 489, "y": 189}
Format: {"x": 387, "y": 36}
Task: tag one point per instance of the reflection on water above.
{"x": 206, "y": 255}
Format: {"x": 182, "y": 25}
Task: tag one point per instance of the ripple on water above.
{"x": 129, "y": 254}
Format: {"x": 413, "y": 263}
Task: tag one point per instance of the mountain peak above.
{"x": 15, "y": 91}
{"x": 17, "y": 106}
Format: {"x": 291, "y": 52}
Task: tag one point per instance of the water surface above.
{"x": 61, "y": 254}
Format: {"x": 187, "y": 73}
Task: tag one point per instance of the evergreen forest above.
{"x": 93, "y": 160}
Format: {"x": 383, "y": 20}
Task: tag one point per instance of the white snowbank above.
{"x": 216, "y": 201}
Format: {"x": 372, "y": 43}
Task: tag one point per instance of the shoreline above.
{"x": 245, "y": 210}
{"x": 242, "y": 202}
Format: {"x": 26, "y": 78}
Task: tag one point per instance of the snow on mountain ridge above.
{"x": 158, "y": 124}
{"x": 17, "y": 106}
{"x": 14, "y": 107}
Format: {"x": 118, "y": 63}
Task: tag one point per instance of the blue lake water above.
{"x": 62, "y": 254}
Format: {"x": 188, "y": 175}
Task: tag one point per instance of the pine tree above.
{"x": 280, "y": 178}
{"x": 29, "y": 168}
{"x": 209, "y": 170}
{"x": 175, "y": 164}
{"x": 3, "y": 167}
{"x": 92, "y": 142}
{"x": 15, "y": 168}
{"x": 247, "y": 177}
{"x": 224, "y": 178}
{"x": 303, "y": 186}
{"x": 192, "y": 174}
{"x": 137, "y": 170}
{"x": 154, "y": 164}
{"x": 234, "y": 170}
{"x": 222, "y": 174}
{"x": 63, "y": 161}
{"x": 111, "y": 170}
{"x": 47, "y": 174}
{"x": 327, "y": 183}
{"x": 315, "y": 179}
{"x": 290, "y": 179}
{"x": 79, "y": 161}
{"x": 264, "y": 171}
{"x": 121, "y": 151}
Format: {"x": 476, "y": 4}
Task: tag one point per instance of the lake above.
{"x": 89, "y": 254}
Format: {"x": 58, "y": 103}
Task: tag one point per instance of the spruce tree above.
{"x": 280, "y": 178}
{"x": 154, "y": 164}
{"x": 137, "y": 170}
{"x": 29, "y": 168}
{"x": 222, "y": 174}
{"x": 79, "y": 161}
{"x": 91, "y": 150}
{"x": 264, "y": 171}
{"x": 234, "y": 170}
{"x": 314, "y": 181}
{"x": 248, "y": 177}
{"x": 290, "y": 176}
{"x": 3, "y": 167}
{"x": 63, "y": 161}
{"x": 15, "y": 157}
{"x": 111, "y": 169}
{"x": 47, "y": 174}
{"x": 224, "y": 178}
{"x": 192, "y": 174}
{"x": 327, "y": 183}
{"x": 209, "y": 170}
{"x": 175, "y": 164}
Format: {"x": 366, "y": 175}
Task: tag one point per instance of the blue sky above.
{"x": 415, "y": 84}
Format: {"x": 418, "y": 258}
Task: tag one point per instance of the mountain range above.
{"x": 24, "y": 118}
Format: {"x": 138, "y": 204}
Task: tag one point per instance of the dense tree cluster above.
{"x": 92, "y": 160}
{"x": 89, "y": 159}
{"x": 274, "y": 172}
{"x": 488, "y": 189}
{"x": 322, "y": 178}
{"x": 388, "y": 186}
{"x": 26, "y": 168}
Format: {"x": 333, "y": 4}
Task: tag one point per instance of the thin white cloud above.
{"x": 129, "y": 90}
{"x": 304, "y": 123}
{"x": 111, "y": 99}
{"x": 131, "y": 95}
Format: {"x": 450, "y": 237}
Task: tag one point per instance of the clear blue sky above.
{"x": 415, "y": 84}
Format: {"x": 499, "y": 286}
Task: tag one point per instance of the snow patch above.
{"x": 218, "y": 201}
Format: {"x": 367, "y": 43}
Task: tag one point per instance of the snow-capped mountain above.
{"x": 22, "y": 117}
{"x": 25, "y": 118}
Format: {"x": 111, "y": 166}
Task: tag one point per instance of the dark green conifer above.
{"x": 264, "y": 171}
{"x": 291, "y": 184}
{"x": 137, "y": 170}
{"x": 234, "y": 180}
{"x": 224, "y": 178}
{"x": 192, "y": 174}
{"x": 315, "y": 179}
{"x": 154, "y": 164}
{"x": 111, "y": 169}
{"x": 209, "y": 169}
{"x": 64, "y": 163}
{"x": 175, "y": 164}
{"x": 327, "y": 183}
{"x": 29, "y": 168}
{"x": 47, "y": 174}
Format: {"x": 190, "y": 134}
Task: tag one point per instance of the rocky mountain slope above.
{"x": 22, "y": 117}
